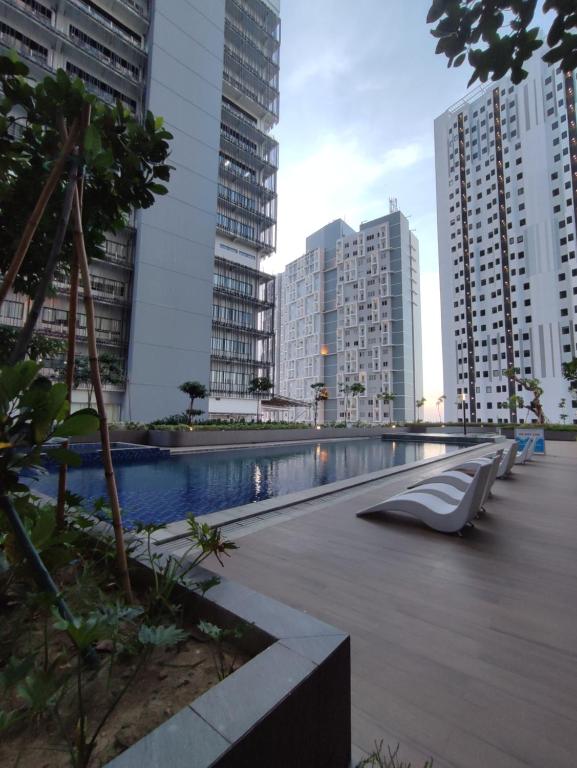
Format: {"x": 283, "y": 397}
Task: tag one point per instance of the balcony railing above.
{"x": 250, "y": 93}
{"x": 228, "y": 170}
{"x": 38, "y": 57}
{"x": 258, "y": 75}
{"x": 238, "y": 38}
{"x": 235, "y": 119}
{"x": 45, "y": 15}
{"x": 101, "y": 19}
{"x": 60, "y": 329}
{"x": 261, "y": 159}
{"x": 234, "y": 325}
{"x": 253, "y": 300}
{"x": 136, "y": 7}
{"x": 234, "y": 390}
{"x": 242, "y": 232}
{"x": 243, "y": 359}
{"x": 108, "y": 291}
{"x": 258, "y": 31}
{"x": 58, "y": 373}
{"x": 271, "y": 29}
{"x": 111, "y": 61}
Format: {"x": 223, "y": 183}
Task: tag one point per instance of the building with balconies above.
{"x": 180, "y": 294}
{"x": 506, "y": 160}
{"x": 349, "y": 313}
{"x": 242, "y": 345}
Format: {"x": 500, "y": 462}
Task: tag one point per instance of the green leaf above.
{"x": 44, "y": 528}
{"x": 103, "y": 160}
{"x": 79, "y": 423}
{"x": 158, "y": 189}
{"x": 39, "y": 690}
{"x": 211, "y": 630}
{"x": 84, "y": 632}
{"x": 16, "y": 379}
{"x": 161, "y": 635}
{"x": 92, "y": 140}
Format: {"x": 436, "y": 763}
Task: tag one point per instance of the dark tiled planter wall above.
{"x": 289, "y": 706}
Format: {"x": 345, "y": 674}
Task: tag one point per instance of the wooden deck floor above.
{"x": 464, "y": 650}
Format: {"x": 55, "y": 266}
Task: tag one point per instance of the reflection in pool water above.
{"x": 167, "y": 490}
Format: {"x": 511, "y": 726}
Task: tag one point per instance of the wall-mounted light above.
{"x": 324, "y": 350}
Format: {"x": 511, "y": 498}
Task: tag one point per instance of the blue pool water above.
{"x": 167, "y": 490}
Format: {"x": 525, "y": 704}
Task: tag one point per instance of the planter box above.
{"x": 168, "y": 439}
{"x": 138, "y": 436}
{"x": 289, "y": 706}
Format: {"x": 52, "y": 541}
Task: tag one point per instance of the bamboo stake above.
{"x": 25, "y": 335}
{"x": 70, "y": 358}
{"x": 72, "y": 315}
{"x": 37, "y": 213}
{"x": 97, "y": 384}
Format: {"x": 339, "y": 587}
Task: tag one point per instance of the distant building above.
{"x": 180, "y": 294}
{"x": 348, "y": 311}
{"x": 506, "y": 161}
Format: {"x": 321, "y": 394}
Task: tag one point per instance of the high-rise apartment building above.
{"x": 180, "y": 294}
{"x": 506, "y": 161}
{"x": 348, "y": 312}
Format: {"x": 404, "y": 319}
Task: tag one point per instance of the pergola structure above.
{"x": 286, "y": 409}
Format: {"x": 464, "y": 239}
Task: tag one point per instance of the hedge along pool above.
{"x": 164, "y": 490}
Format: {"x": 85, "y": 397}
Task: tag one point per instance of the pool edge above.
{"x": 180, "y": 528}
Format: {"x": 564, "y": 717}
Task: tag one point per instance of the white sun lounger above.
{"x": 460, "y": 481}
{"x": 440, "y": 514}
{"x": 527, "y": 451}
{"x": 505, "y": 466}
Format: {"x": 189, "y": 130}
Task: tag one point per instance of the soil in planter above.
{"x": 169, "y": 680}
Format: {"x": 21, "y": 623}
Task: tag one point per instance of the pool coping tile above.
{"x": 180, "y": 528}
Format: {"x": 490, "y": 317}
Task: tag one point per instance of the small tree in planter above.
{"x": 93, "y": 164}
{"x": 347, "y": 390}
{"x": 196, "y": 391}
{"x": 562, "y": 405}
{"x": 387, "y": 398}
{"x": 260, "y": 386}
{"x": 440, "y": 402}
{"x": 534, "y": 387}
{"x": 420, "y": 403}
{"x": 514, "y": 403}
{"x": 321, "y": 394}
{"x": 570, "y": 374}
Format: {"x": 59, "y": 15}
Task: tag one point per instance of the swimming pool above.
{"x": 167, "y": 490}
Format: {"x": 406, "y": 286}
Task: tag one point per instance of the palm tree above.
{"x": 320, "y": 393}
{"x": 387, "y": 398}
{"x": 440, "y": 402}
{"x": 355, "y": 389}
{"x": 259, "y": 386}
{"x": 420, "y": 403}
{"x": 195, "y": 390}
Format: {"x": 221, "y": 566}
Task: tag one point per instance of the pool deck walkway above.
{"x": 463, "y": 649}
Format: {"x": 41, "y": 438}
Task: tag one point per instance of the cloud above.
{"x": 339, "y": 178}
{"x": 325, "y": 66}
{"x": 404, "y": 157}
